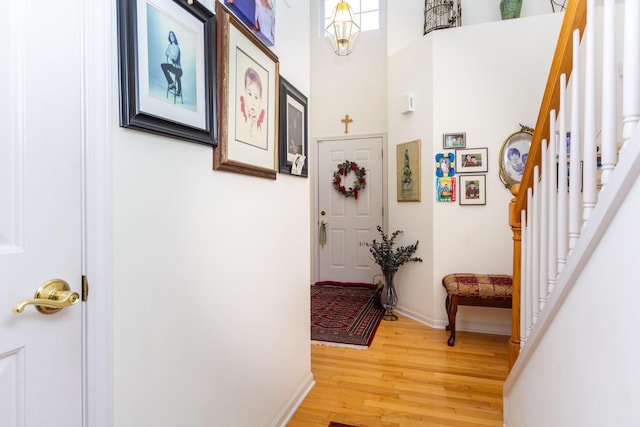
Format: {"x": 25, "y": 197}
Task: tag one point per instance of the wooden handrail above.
{"x": 575, "y": 18}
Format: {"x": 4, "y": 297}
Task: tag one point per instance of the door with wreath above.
{"x": 350, "y": 207}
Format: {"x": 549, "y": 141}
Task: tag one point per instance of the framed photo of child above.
{"x": 473, "y": 190}
{"x": 248, "y": 102}
{"x": 472, "y": 160}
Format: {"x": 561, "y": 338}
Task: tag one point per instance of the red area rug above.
{"x": 346, "y": 316}
{"x": 332, "y": 424}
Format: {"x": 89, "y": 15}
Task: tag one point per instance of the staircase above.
{"x": 575, "y": 336}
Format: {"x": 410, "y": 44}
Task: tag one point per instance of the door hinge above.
{"x": 85, "y": 288}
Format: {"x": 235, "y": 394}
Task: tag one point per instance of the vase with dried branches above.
{"x": 390, "y": 258}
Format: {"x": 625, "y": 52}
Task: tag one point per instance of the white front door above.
{"x": 40, "y": 211}
{"x": 349, "y": 223}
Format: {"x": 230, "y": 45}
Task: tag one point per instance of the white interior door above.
{"x": 349, "y": 223}
{"x": 40, "y": 211}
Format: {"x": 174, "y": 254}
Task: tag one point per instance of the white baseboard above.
{"x": 294, "y": 402}
{"x": 484, "y": 328}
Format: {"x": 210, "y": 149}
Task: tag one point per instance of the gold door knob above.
{"x": 50, "y": 298}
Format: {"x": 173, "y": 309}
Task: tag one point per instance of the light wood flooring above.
{"x": 408, "y": 377}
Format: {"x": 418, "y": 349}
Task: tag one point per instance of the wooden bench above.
{"x": 482, "y": 290}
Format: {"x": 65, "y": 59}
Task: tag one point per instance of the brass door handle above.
{"x": 50, "y": 298}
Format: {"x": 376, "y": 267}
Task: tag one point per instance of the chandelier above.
{"x": 342, "y": 30}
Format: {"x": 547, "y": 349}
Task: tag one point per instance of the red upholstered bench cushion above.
{"x": 495, "y": 286}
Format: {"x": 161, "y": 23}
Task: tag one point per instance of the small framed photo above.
{"x": 408, "y": 171}
{"x": 293, "y": 145}
{"x": 248, "y": 100}
{"x": 454, "y": 140}
{"x": 472, "y": 160}
{"x": 445, "y": 164}
{"x": 167, "y": 57}
{"x": 446, "y": 189}
{"x": 472, "y": 190}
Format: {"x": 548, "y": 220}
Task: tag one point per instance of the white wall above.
{"x": 584, "y": 371}
{"x": 211, "y": 309}
{"x": 483, "y": 80}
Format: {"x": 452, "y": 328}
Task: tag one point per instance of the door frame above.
{"x": 99, "y": 98}
{"x": 315, "y": 217}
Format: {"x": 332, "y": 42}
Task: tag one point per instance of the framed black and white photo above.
{"x": 473, "y": 190}
{"x": 472, "y": 160}
{"x": 293, "y": 147}
{"x": 248, "y": 100}
{"x": 167, "y": 57}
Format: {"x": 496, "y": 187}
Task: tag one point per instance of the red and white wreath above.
{"x": 343, "y": 170}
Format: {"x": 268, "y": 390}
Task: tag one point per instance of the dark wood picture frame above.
{"x": 147, "y": 101}
{"x": 247, "y": 139}
{"x": 293, "y": 128}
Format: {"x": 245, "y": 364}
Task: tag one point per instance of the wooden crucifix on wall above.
{"x": 346, "y": 120}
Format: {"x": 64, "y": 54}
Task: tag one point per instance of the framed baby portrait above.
{"x": 472, "y": 190}
{"x": 292, "y": 131}
{"x": 257, "y": 15}
{"x": 167, "y": 58}
{"x": 248, "y": 101}
{"x": 472, "y": 160}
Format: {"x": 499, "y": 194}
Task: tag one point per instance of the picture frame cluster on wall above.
{"x": 471, "y": 189}
{"x": 207, "y": 76}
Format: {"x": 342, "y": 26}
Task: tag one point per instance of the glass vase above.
{"x": 389, "y": 298}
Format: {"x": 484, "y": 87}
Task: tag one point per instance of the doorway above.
{"x": 345, "y": 224}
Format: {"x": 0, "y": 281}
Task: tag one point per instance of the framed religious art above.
{"x": 248, "y": 100}
{"x": 167, "y": 58}
{"x": 292, "y": 131}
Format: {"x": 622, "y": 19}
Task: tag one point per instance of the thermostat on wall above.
{"x": 406, "y": 104}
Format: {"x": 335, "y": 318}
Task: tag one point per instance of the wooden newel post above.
{"x": 516, "y": 228}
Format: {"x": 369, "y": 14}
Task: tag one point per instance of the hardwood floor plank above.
{"x": 408, "y": 377}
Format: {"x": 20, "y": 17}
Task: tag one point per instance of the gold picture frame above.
{"x": 408, "y": 171}
{"x": 248, "y": 75}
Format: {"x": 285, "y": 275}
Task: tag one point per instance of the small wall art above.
{"x": 445, "y": 164}
{"x": 473, "y": 189}
{"x": 446, "y": 189}
{"x": 408, "y": 171}
{"x": 472, "y": 160}
{"x": 454, "y": 140}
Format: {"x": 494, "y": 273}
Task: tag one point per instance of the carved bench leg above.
{"x": 447, "y": 301}
{"x": 452, "y": 310}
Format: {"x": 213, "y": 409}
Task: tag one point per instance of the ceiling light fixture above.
{"x": 342, "y": 30}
